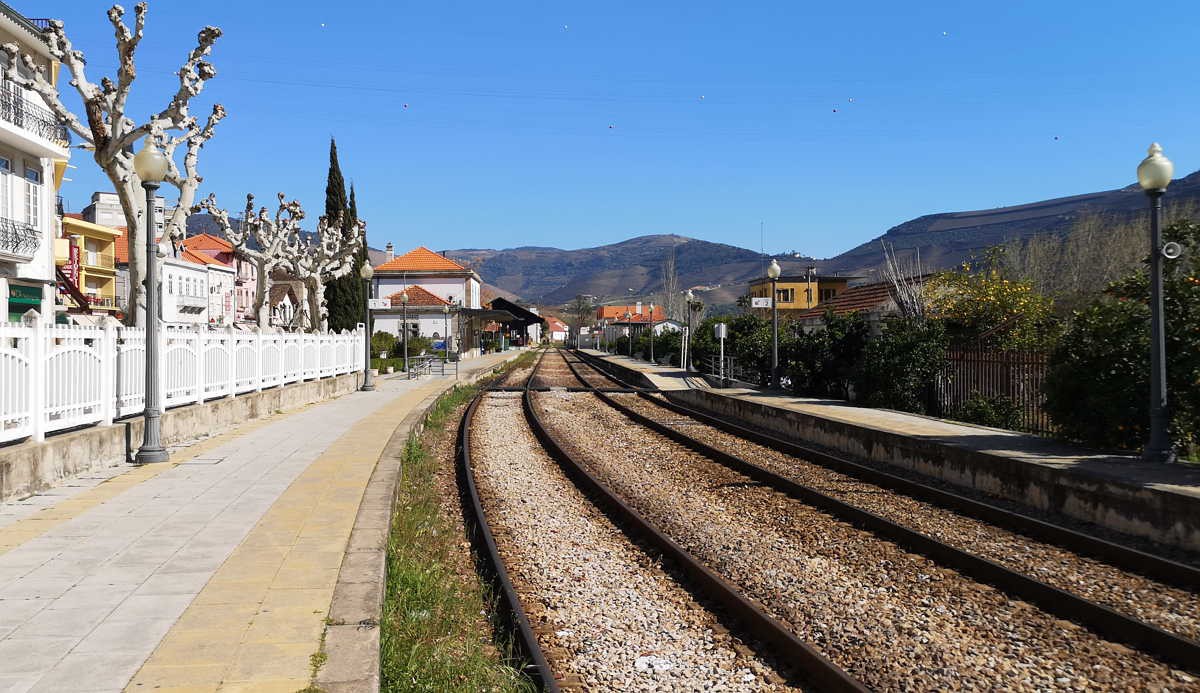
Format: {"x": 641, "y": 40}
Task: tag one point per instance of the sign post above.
{"x": 760, "y": 302}
{"x": 720, "y": 330}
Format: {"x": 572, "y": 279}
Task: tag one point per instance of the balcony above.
{"x": 18, "y": 240}
{"x": 16, "y": 109}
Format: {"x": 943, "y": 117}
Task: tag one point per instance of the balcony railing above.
{"x": 17, "y": 110}
{"x": 18, "y": 238}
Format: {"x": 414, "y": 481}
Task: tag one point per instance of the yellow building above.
{"x": 95, "y": 254}
{"x": 800, "y": 292}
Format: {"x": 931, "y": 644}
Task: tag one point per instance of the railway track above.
{"x": 870, "y": 587}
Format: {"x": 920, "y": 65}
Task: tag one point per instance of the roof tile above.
{"x": 418, "y": 297}
{"x": 421, "y": 259}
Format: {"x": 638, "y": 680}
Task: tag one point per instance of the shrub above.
{"x": 996, "y": 411}
{"x": 900, "y": 365}
{"x": 383, "y": 343}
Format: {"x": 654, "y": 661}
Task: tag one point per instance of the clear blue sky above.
{"x": 506, "y": 139}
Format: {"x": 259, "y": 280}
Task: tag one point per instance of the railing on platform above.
{"x": 1011, "y": 379}
{"x": 54, "y": 377}
{"x": 431, "y": 365}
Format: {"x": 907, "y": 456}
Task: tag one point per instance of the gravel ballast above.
{"x": 1170, "y": 608}
{"x": 607, "y": 615}
{"x": 895, "y": 620}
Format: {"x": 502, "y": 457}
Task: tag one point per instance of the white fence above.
{"x": 54, "y": 377}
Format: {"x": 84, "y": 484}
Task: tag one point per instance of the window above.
{"x": 33, "y": 193}
{"x": 828, "y": 294}
{"x": 170, "y": 284}
{"x": 785, "y": 295}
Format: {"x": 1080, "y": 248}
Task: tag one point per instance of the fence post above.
{"x": 37, "y": 374}
{"x": 258, "y": 357}
{"x": 108, "y": 375}
{"x": 198, "y": 344}
{"x": 231, "y": 360}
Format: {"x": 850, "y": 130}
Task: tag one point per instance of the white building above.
{"x": 433, "y": 283}
{"x": 105, "y": 210}
{"x": 33, "y": 155}
{"x": 184, "y": 286}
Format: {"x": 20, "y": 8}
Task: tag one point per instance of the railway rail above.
{"x": 741, "y": 534}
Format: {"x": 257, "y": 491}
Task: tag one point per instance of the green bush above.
{"x": 383, "y": 343}
{"x": 900, "y": 365}
{"x": 997, "y": 411}
{"x": 396, "y": 363}
{"x": 1097, "y": 388}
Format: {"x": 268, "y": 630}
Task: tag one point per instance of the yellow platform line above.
{"x": 37, "y": 524}
{"x": 259, "y": 620}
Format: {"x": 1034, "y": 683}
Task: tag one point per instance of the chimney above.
{"x": 391, "y": 251}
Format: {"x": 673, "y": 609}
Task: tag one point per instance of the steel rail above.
{"x": 486, "y": 547}
{"x": 1105, "y": 621}
{"x": 1133, "y": 560}
{"x": 818, "y": 669}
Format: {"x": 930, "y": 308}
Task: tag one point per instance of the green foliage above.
{"x": 1098, "y": 390}
{"x": 899, "y": 366}
{"x": 998, "y": 411}
{"x": 397, "y": 364}
{"x": 980, "y": 304}
{"x": 383, "y": 343}
{"x": 667, "y": 346}
{"x": 346, "y": 296}
{"x": 824, "y": 363}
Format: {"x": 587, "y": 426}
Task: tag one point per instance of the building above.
{"x": 85, "y": 256}
{"x": 443, "y": 297}
{"x": 184, "y": 291}
{"x": 611, "y": 313}
{"x": 284, "y": 304}
{"x": 801, "y": 292}
{"x": 105, "y": 209}
{"x": 241, "y": 282}
{"x": 557, "y": 330}
{"x": 34, "y": 149}
{"x": 875, "y": 301}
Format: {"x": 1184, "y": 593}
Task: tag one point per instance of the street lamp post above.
{"x": 445, "y": 335}
{"x": 687, "y": 347}
{"x": 1154, "y": 175}
{"x": 404, "y": 321}
{"x": 629, "y": 332}
{"x": 773, "y": 273}
{"x": 150, "y": 164}
{"x": 651, "y": 334}
{"x": 366, "y": 272}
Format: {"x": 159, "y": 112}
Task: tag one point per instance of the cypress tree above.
{"x": 344, "y": 296}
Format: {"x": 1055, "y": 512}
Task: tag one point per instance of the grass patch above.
{"x": 433, "y": 637}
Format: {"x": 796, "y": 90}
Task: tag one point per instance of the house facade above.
{"x": 184, "y": 287}
{"x": 443, "y": 299}
{"x": 801, "y": 292}
{"x": 86, "y": 257}
{"x": 233, "y": 280}
{"x": 34, "y": 149}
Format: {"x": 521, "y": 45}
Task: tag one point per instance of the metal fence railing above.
{"x": 1009, "y": 382}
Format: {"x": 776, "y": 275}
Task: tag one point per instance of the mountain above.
{"x": 611, "y": 272}
{"x": 945, "y": 240}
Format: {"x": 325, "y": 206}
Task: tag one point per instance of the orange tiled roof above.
{"x": 121, "y": 246}
{"x": 205, "y": 241}
{"x": 856, "y": 298}
{"x": 618, "y": 313}
{"x": 418, "y": 297}
{"x": 200, "y": 258}
{"x": 421, "y": 259}
{"x": 74, "y": 215}
{"x": 556, "y": 325}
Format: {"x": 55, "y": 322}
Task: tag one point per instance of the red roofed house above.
{"x": 433, "y": 283}
{"x": 556, "y": 330}
{"x": 238, "y": 304}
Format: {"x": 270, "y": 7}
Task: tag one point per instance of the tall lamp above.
{"x": 366, "y": 272}
{"x": 651, "y": 334}
{"x": 445, "y": 334}
{"x": 773, "y": 273}
{"x": 629, "y": 331}
{"x": 150, "y": 165}
{"x": 404, "y": 320}
{"x": 1154, "y": 175}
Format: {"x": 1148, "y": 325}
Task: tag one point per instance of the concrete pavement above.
{"x": 213, "y": 571}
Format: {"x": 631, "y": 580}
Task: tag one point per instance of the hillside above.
{"x": 945, "y": 240}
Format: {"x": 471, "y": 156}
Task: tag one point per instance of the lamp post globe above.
{"x": 1154, "y": 175}
{"x": 150, "y": 165}
{"x": 367, "y": 272}
{"x": 773, "y": 272}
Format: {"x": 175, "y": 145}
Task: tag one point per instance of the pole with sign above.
{"x": 720, "y": 330}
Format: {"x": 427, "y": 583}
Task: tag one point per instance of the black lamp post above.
{"x": 693, "y": 307}
{"x": 629, "y": 332}
{"x": 773, "y": 273}
{"x": 366, "y": 272}
{"x": 445, "y": 335}
{"x": 1154, "y": 175}
{"x": 404, "y": 320}
{"x": 652, "y": 334}
{"x": 150, "y": 165}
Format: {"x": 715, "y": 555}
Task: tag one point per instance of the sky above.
{"x": 571, "y": 124}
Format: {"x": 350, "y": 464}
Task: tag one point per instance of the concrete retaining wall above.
{"x": 29, "y": 467}
{"x": 1158, "y": 513}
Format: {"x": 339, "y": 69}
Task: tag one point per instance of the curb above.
{"x": 351, "y": 639}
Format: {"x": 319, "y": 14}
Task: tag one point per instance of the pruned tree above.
{"x": 671, "y": 294}
{"x": 579, "y": 315}
{"x": 329, "y": 257}
{"x": 269, "y": 242}
{"x": 111, "y": 133}
{"x": 906, "y": 280}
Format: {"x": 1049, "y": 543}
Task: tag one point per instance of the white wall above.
{"x": 451, "y": 289}
{"x": 221, "y": 303}
{"x": 184, "y": 291}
